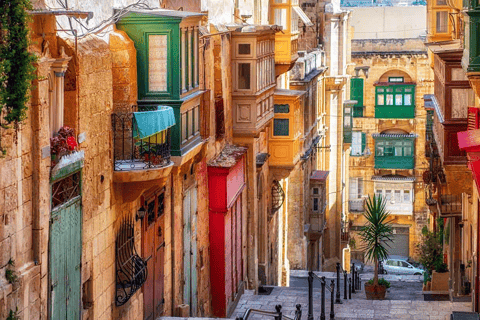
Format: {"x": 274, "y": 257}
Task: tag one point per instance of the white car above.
{"x": 400, "y": 266}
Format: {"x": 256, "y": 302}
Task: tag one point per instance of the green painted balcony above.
{"x": 394, "y": 151}
{"x": 389, "y": 112}
{"x": 471, "y": 53}
{"x": 394, "y": 162}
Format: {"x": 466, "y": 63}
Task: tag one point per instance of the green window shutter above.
{"x": 356, "y": 91}
{"x": 364, "y": 141}
{"x": 280, "y": 127}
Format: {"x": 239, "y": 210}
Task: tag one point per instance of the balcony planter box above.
{"x": 375, "y": 292}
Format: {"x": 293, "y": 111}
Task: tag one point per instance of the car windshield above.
{"x": 415, "y": 264}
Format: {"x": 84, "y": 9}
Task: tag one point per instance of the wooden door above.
{"x": 65, "y": 260}
{"x": 190, "y": 249}
{"x": 154, "y": 250}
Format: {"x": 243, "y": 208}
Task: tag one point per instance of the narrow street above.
{"x": 403, "y": 301}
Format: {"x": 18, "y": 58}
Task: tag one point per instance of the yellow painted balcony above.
{"x": 286, "y": 131}
{"x": 287, "y": 13}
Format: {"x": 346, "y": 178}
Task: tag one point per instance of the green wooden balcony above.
{"x": 394, "y": 162}
{"x": 394, "y": 112}
{"x": 471, "y": 56}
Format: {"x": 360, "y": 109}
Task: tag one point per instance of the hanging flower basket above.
{"x": 62, "y": 144}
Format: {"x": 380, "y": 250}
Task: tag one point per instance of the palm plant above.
{"x": 376, "y": 233}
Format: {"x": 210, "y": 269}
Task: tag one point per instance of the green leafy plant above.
{"x": 376, "y": 233}
{"x": 10, "y": 273}
{"x": 352, "y": 243}
{"x": 13, "y": 315}
{"x": 430, "y": 250}
{"x": 381, "y": 282}
{"x": 17, "y": 70}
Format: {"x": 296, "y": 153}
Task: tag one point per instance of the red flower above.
{"x": 72, "y": 143}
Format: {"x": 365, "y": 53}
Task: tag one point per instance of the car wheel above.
{"x": 417, "y": 274}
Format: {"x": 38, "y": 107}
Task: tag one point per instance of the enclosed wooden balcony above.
{"x": 141, "y": 149}
{"x": 285, "y": 138}
{"x": 356, "y": 206}
{"x": 450, "y": 205}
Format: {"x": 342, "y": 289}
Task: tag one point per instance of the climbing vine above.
{"x": 17, "y": 69}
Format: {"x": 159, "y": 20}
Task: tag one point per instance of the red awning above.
{"x": 469, "y": 140}
{"x": 475, "y": 167}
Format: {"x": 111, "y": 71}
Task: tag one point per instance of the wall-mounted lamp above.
{"x": 140, "y": 213}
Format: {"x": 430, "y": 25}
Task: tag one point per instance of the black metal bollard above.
{"x": 279, "y": 316}
{"x": 322, "y": 310}
{"x": 337, "y": 296}
{"x": 310, "y": 296}
{"x": 349, "y": 288}
{"x": 298, "y": 312}
{"x": 332, "y": 311}
{"x": 353, "y": 277}
{"x": 344, "y": 285}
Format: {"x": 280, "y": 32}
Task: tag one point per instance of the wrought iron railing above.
{"x": 131, "y": 269}
{"x": 344, "y": 235}
{"x": 357, "y": 205}
{"x": 132, "y": 153}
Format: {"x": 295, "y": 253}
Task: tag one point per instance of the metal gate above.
{"x": 400, "y": 242}
{"x": 65, "y": 248}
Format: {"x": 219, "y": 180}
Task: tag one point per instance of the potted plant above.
{"x": 376, "y": 234}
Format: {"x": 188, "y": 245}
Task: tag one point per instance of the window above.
{"x": 244, "y": 76}
{"x": 442, "y": 20}
{"x": 395, "y": 95}
{"x": 190, "y": 122}
{"x": 244, "y": 48}
{"x": 281, "y": 108}
{"x": 315, "y": 204}
{"x": 188, "y": 58}
{"x": 388, "y": 195}
{"x": 389, "y": 99}
{"x": 395, "y": 79}
{"x": 280, "y": 127}
{"x": 398, "y": 196}
{"x": 380, "y": 99}
{"x": 358, "y": 143}
{"x": 315, "y": 190}
{"x": 356, "y": 188}
{"x": 281, "y": 18}
{"x": 394, "y": 148}
{"x": 157, "y": 62}
{"x": 406, "y": 196}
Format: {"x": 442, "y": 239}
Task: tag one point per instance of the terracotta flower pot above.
{"x": 375, "y": 292}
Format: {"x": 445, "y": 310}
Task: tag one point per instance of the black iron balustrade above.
{"x": 132, "y": 153}
{"x": 331, "y": 288}
{"x": 277, "y": 314}
{"x": 131, "y": 269}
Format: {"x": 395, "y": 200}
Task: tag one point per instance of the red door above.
{"x": 154, "y": 251}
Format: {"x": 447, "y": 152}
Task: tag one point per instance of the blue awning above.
{"x": 148, "y": 123}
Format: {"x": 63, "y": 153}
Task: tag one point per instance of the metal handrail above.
{"x": 277, "y": 315}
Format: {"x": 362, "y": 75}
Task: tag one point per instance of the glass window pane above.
{"x": 398, "y": 100}
{"x": 378, "y": 192}
{"x": 280, "y": 127}
{"x": 281, "y": 108}
{"x": 388, "y": 195}
{"x": 441, "y": 2}
{"x": 407, "y": 151}
{"x": 389, "y": 99}
{"x": 244, "y": 48}
{"x": 157, "y": 62}
{"x": 380, "y": 90}
{"x": 398, "y": 196}
{"x": 379, "y": 152}
{"x": 442, "y": 21}
{"x": 380, "y": 100}
{"x": 347, "y": 122}
{"x": 315, "y": 190}
{"x": 281, "y": 18}
{"x": 315, "y": 204}
{"x": 408, "y": 100}
{"x": 356, "y": 143}
{"x": 389, "y": 89}
{"x": 389, "y": 151}
{"x": 408, "y": 89}
{"x": 398, "y": 151}
{"x": 244, "y": 76}
{"x": 406, "y": 196}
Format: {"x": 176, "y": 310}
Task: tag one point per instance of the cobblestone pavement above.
{"x": 357, "y": 308}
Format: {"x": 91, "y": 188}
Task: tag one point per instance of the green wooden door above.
{"x": 65, "y": 260}
{"x": 190, "y": 249}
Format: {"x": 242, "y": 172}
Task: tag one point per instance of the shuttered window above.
{"x": 359, "y": 140}
{"x": 356, "y": 93}
{"x": 280, "y": 127}
{"x": 473, "y": 118}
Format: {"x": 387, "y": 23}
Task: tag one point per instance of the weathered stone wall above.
{"x": 388, "y": 45}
